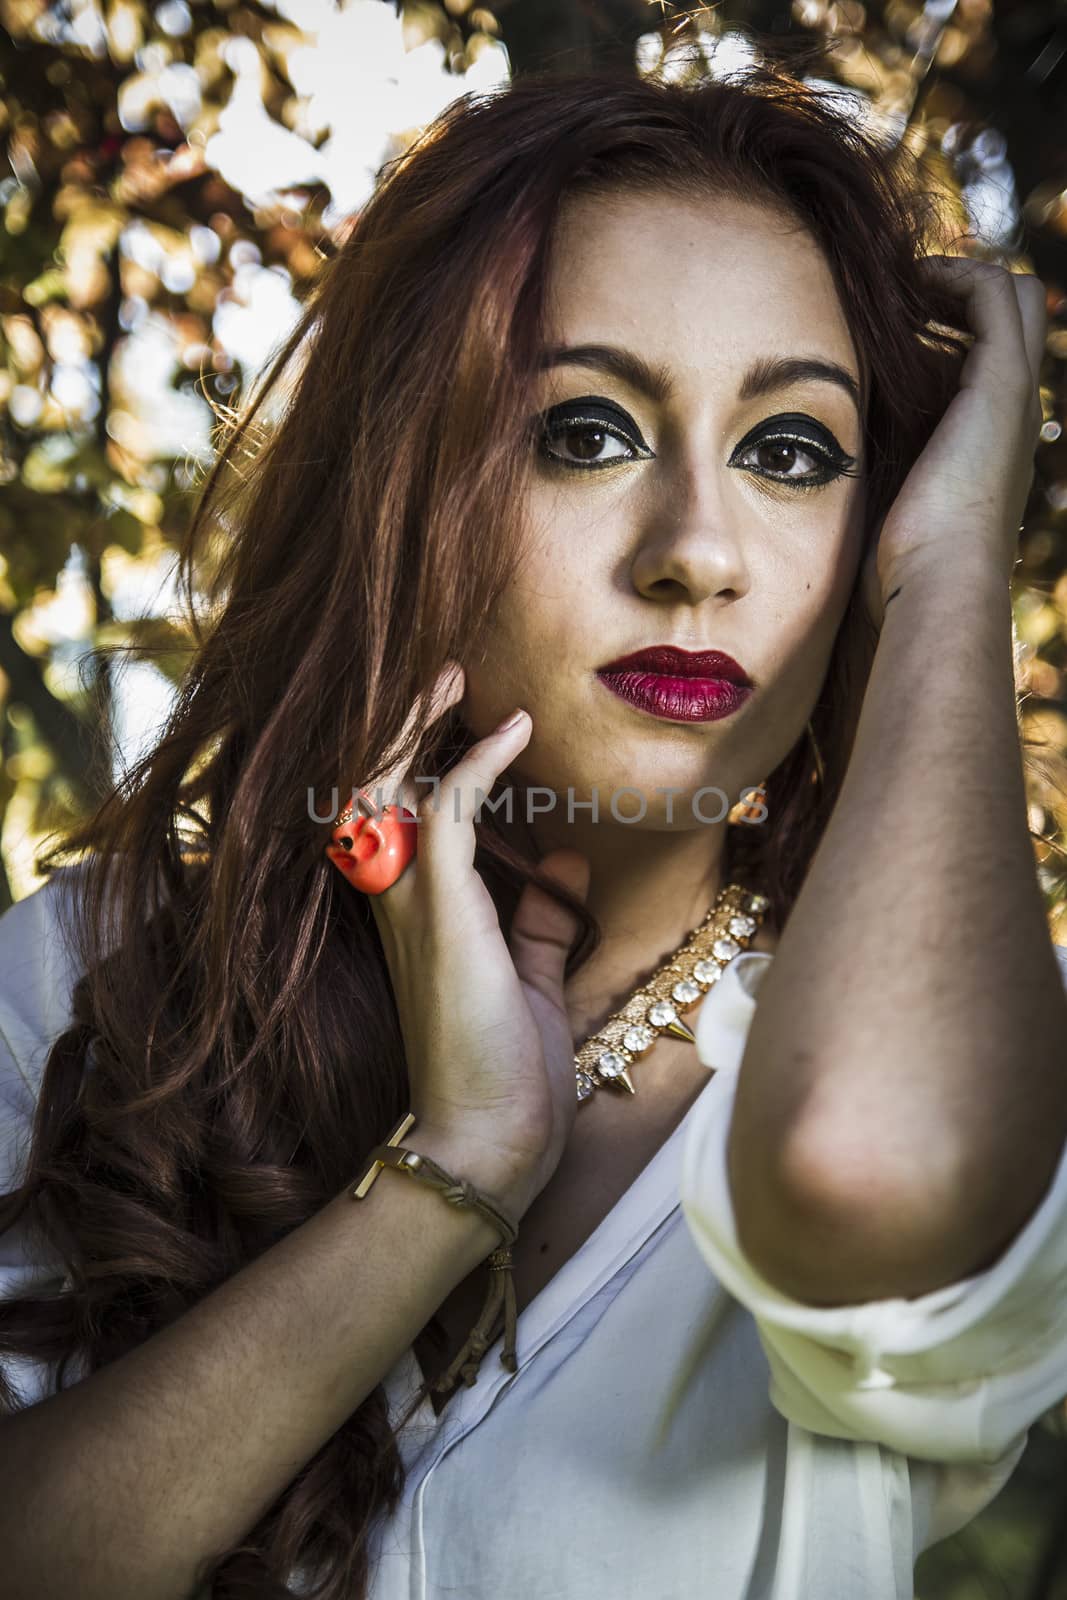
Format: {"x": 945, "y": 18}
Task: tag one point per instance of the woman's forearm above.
{"x": 122, "y": 1486}
{"x": 905, "y": 1077}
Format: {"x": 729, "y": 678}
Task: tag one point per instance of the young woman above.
{"x": 606, "y": 370}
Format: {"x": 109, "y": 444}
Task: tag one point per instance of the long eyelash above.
{"x": 841, "y": 466}
{"x": 832, "y": 465}
{"x": 571, "y": 424}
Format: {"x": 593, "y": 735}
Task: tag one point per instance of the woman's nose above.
{"x": 690, "y": 546}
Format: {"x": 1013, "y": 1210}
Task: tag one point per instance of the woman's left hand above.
{"x": 967, "y": 491}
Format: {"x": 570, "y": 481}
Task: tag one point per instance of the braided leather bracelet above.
{"x": 458, "y": 1192}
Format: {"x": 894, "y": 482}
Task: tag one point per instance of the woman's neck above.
{"x": 648, "y": 890}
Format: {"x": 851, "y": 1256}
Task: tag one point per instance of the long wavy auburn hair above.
{"x": 234, "y": 1049}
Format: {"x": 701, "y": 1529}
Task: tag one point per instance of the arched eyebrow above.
{"x": 764, "y": 376}
{"x": 769, "y": 373}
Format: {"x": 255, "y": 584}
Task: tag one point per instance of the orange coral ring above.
{"x": 371, "y": 851}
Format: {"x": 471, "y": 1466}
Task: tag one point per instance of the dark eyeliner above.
{"x": 791, "y": 428}
{"x": 592, "y": 411}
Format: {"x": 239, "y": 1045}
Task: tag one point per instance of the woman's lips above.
{"x": 677, "y": 699}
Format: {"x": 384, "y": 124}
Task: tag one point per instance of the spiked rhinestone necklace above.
{"x": 675, "y": 987}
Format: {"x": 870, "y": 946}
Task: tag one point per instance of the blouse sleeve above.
{"x": 36, "y": 980}
{"x": 955, "y": 1375}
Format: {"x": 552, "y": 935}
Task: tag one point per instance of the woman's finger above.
{"x": 437, "y": 883}
{"x": 542, "y": 931}
{"x": 446, "y": 831}
{"x": 1033, "y": 311}
{"x": 1000, "y": 358}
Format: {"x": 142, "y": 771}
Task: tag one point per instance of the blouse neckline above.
{"x": 642, "y": 1208}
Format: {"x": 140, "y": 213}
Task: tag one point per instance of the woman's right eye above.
{"x": 584, "y": 428}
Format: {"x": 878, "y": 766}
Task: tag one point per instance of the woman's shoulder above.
{"x": 38, "y": 970}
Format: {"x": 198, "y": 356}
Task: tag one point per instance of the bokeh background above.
{"x": 173, "y": 176}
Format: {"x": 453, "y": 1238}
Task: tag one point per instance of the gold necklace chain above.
{"x": 675, "y": 987}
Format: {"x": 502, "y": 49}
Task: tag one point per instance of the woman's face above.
{"x": 708, "y": 515}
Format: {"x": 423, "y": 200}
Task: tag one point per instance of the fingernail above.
{"x": 512, "y": 721}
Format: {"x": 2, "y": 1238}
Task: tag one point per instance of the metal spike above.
{"x": 681, "y": 1031}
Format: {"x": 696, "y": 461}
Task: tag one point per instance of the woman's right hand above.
{"x": 488, "y": 1042}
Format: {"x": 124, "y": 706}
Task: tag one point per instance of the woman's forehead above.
{"x": 685, "y": 303}
{"x": 694, "y": 285}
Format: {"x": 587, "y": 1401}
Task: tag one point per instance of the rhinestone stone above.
{"x": 742, "y": 927}
{"x": 637, "y": 1038}
{"x": 707, "y": 972}
{"x": 662, "y": 1014}
{"x": 686, "y": 992}
{"x": 757, "y": 902}
{"x": 585, "y": 1085}
{"x": 610, "y": 1064}
{"x": 725, "y": 949}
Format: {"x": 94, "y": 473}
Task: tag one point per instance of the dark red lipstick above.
{"x": 680, "y": 685}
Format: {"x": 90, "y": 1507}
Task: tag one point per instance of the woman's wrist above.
{"x": 465, "y": 1156}
{"x": 978, "y": 569}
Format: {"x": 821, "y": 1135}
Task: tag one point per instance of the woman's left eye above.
{"x": 784, "y": 455}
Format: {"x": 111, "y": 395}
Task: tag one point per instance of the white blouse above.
{"x": 815, "y": 1451}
